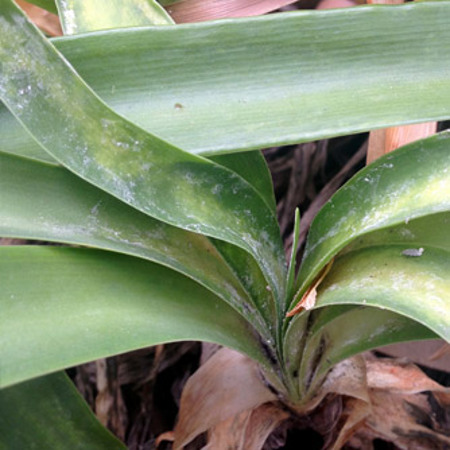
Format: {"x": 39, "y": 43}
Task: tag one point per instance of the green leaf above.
{"x": 122, "y": 159}
{"x": 51, "y": 204}
{"x": 317, "y": 340}
{"x": 416, "y": 287}
{"x": 286, "y": 78}
{"x": 78, "y": 16}
{"x": 169, "y": 2}
{"x": 65, "y": 306}
{"x": 253, "y": 168}
{"x": 48, "y": 412}
{"x": 431, "y": 230}
{"x": 409, "y": 183}
{"x": 339, "y": 332}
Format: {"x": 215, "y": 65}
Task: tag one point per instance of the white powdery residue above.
{"x": 430, "y": 285}
{"x": 86, "y": 161}
{"x": 106, "y": 123}
{"x": 24, "y": 97}
{"x": 124, "y": 190}
{"x": 331, "y": 288}
{"x": 121, "y": 144}
{"x": 438, "y": 306}
{"x": 341, "y": 225}
{"x": 406, "y": 233}
{"x": 374, "y": 217}
{"x": 157, "y": 234}
{"x": 195, "y": 227}
{"x": 235, "y": 190}
{"x": 191, "y": 179}
{"x": 136, "y": 147}
{"x": 120, "y": 187}
{"x": 66, "y": 231}
{"x": 69, "y": 18}
{"x": 25, "y": 91}
{"x": 217, "y": 189}
{"x": 402, "y": 282}
{"x": 94, "y": 209}
{"x": 232, "y": 291}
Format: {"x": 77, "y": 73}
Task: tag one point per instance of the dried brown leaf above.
{"x": 202, "y": 10}
{"x": 406, "y": 420}
{"x": 308, "y": 299}
{"x": 46, "y": 21}
{"x": 248, "y": 430}
{"x": 398, "y": 376}
{"x": 400, "y": 412}
{"x": 225, "y": 386}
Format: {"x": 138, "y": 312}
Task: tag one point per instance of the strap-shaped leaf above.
{"x": 340, "y": 332}
{"x": 431, "y": 230}
{"x": 316, "y": 340}
{"x": 391, "y": 278}
{"x": 48, "y": 412}
{"x": 78, "y": 16}
{"x": 65, "y": 306}
{"x": 51, "y": 204}
{"x": 251, "y": 166}
{"x": 122, "y": 159}
{"x": 409, "y": 183}
{"x": 252, "y": 83}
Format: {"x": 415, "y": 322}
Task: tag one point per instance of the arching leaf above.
{"x": 124, "y": 160}
{"x": 65, "y": 306}
{"x": 409, "y": 183}
{"x": 48, "y": 412}
{"x": 286, "y": 78}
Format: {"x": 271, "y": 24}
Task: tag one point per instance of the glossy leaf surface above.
{"x": 251, "y": 83}
{"x": 319, "y": 339}
{"x": 122, "y": 159}
{"x": 431, "y": 230}
{"x": 50, "y": 204}
{"x": 384, "y": 277}
{"x": 48, "y": 412}
{"x": 78, "y": 16}
{"x": 65, "y": 306}
{"x": 411, "y": 182}
{"x": 341, "y": 332}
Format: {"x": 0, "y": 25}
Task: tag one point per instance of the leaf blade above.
{"x": 124, "y": 160}
{"x": 51, "y": 400}
{"x": 349, "y": 333}
{"x": 283, "y": 77}
{"x": 48, "y": 203}
{"x": 409, "y": 183}
{"x": 76, "y": 305}
{"x": 383, "y": 277}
